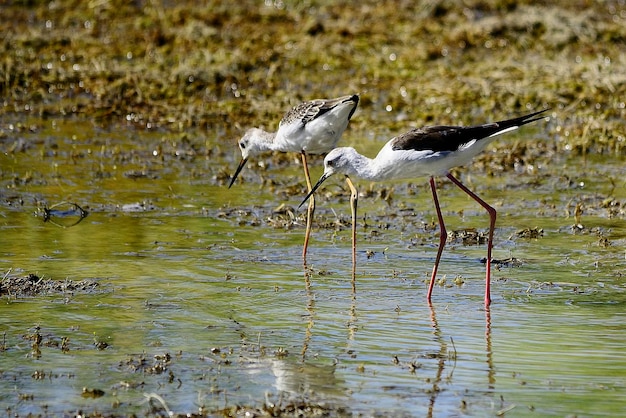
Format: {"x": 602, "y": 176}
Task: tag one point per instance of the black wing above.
{"x": 450, "y": 138}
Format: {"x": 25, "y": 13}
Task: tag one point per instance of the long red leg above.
{"x": 354, "y": 199}
{"x": 492, "y": 225}
{"x": 442, "y": 237}
{"x": 309, "y": 213}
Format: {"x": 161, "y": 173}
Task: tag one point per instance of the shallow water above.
{"x": 214, "y": 278}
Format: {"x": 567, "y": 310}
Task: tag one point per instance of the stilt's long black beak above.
{"x": 241, "y": 164}
{"x": 318, "y": 184}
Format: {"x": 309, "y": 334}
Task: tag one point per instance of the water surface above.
{"x": 202, "y": 298}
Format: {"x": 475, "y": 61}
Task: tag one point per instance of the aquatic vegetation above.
{"x": 227, "y": 67}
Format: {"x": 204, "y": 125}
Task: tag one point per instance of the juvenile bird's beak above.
{"x": 241, "y": 164}
{"x": 318, "y": 184}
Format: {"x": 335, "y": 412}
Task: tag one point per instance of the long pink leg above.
{"x": 310, "y": 211}
{"x": 492, "y": 225}
{"x": 442, "y": 237}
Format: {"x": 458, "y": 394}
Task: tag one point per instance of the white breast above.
{"x": 317, "y": 136}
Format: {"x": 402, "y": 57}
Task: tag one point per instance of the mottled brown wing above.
{"x": 313, "y": 109}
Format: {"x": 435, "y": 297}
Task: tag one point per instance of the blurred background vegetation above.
{"x": 225, "y": 66}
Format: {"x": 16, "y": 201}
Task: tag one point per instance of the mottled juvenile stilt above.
{"x": 312, "y": 127}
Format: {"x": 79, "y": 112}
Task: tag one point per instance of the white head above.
{"x": 253, "y": 143}
{"x": 340, "y": 160}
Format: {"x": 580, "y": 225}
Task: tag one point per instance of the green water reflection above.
{"x": 189, "y": 268}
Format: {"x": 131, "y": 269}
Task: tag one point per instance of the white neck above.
{"x": 266, "y": 141}
{"x": 364, "y": 168}
{"x": 367, "y": 169}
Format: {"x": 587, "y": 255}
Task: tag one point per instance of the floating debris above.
{"x": 33, "y": 285}
{"x": 92, "y": 393}
{"x": 531, "y": 233}
{"x": 468, "y": 236}
{"x": 63, "y": 214}
{"x": 138, "y": 207}
{"x": 505, "y": 262}
{"x": 141, "y": 174}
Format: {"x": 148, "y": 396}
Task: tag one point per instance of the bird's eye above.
{"x": 330, "y": 163}
{"x": 242, "y": 145}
